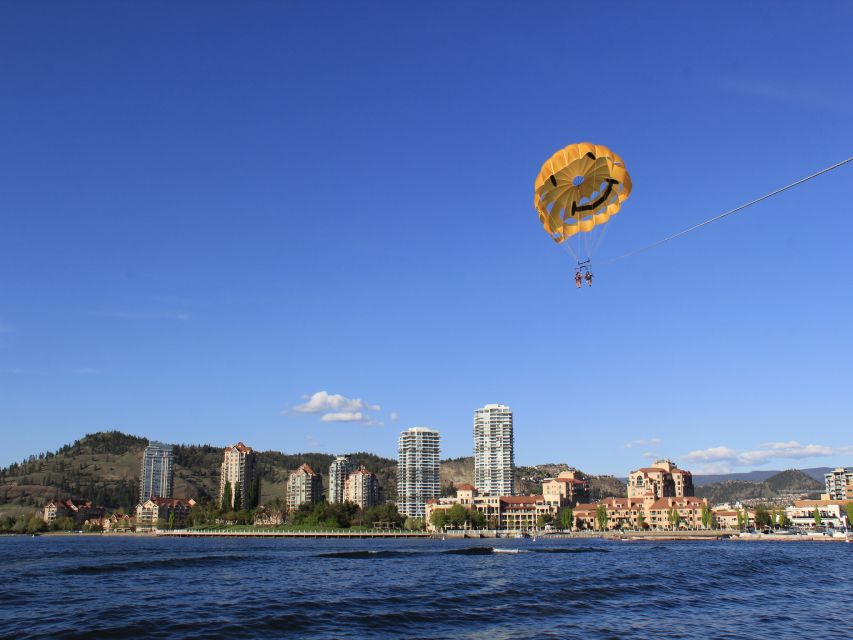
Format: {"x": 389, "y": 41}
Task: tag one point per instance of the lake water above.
{"x": 125, "y": 587}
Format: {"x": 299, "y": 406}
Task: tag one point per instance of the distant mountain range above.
{"x": 755, "y": 476}
{"x": 104, "y": 467}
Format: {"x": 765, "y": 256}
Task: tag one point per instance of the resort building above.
{"x": 494, "y": 461}
{"x": 418, "y": 468}
{"x": 518, "y": 513}
{"x": 642, "y": 513}
{"x": 77, "y": 510}
{"x": 733, "y": 518}
{"x": 567, "y": 489}
{"x": 118, "y": 523}
{"x": 155, "y": 478}
{"x": 661, "y": 480}
{"x": 236, "y": 477}
{"x": 339, "y": 471}
{"x": 362, "y": 488}
{"x": 833, "y": 513}
{"x": 304, "y": 485}
{"x": 158, "y": 513}
{"x": 839, "y": 484}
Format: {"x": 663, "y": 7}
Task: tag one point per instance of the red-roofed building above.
{"x": 662, "y": 480}
{"x": 157, "y": 513}
{"x": 77, "y": 510}
{"x": 567, "y": 489}
{"x": 642, "y": 513}
{"x": 362, "y": 488}
{"x": 501, "y": 512}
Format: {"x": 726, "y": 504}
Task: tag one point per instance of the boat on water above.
{"x": 505, "y": 550}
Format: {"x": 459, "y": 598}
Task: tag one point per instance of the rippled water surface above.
{"x": 98, "y": 586}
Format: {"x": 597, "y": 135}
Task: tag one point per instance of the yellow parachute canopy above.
{"x": 580, "y": 187}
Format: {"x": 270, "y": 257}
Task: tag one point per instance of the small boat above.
{"x": 504, "y": 550}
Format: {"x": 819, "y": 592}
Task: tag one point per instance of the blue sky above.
{"x": 212, "y": 212}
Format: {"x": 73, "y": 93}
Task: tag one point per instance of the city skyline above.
{"x": 179, "y": 261}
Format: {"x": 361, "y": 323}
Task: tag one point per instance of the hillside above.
{"x": 779, "y": 488}
{"x": 104, "y": 467}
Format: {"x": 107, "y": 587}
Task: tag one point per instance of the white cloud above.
{"x": 793, "y": 450}
{"x": 726, "y": 456}
{"x": 322, "y": 402}
{"x": 713, "y": 454}
{"x": 344, "y": 416}
{"x": 393, "y": 416}
{"x": 338, "y": 408}
{"x": 642, "y": 443}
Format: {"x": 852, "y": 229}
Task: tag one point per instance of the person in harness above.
{"x": 578, "y": 279}
{"x": 588, "y": 278}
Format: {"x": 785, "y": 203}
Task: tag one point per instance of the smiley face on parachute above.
{"x": 579, "y": 187}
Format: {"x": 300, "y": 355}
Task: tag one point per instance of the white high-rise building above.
{"x": 339, "y": 471}
{"x": 156, "y": 477}
{"x": 418, "y": 467}
{"x": 494, "y": 460}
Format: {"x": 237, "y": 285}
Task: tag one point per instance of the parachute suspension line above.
{"x": 600, "y": 238}
{"x": 730, "y": 212}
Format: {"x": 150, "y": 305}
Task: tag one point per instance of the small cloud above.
{"x": 322, "y": 401}
{"x": 714, "y": 468}
{"x": 393, "y": 416}
{"x": 338, "y": 408}
{"x": 652, "y": 456}
{"x": 713, "y": 454}
{"x": 642, "y": 443}
{"x": 344, "y": 416}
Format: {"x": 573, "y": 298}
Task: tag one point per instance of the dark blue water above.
{"x": 88, "y": 586}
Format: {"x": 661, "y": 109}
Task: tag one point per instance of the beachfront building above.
{"x": 494, "y": 461}
{"x": 514, "y": 513}
{"x": 362, "y": 488}
{"x": 158, "y": 512}
{"x": 78, "y": 510}
{"x": 839, "y": 484}
{"x": 418, "y": 470}
{"x": 339, "y": 471}
{"x": 733, "y": 518}
{"x": 155, "y": 478}
{"x": 641, "y": 513}
{"x": 833, "y": 513}
{"x": 237, "y": 476}
{"x": 304, "y": 485}
{"x": 663, "y": 479}
{"x": 567, "y": 489}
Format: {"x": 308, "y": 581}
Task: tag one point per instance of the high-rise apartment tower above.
{"x": 156, "y": 476}
{"x": 339, "y": 471}
{"x": 494, "y": 458}
{"x": 417, "y": 470}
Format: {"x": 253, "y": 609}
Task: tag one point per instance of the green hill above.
{"x": 104, "y": 467}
